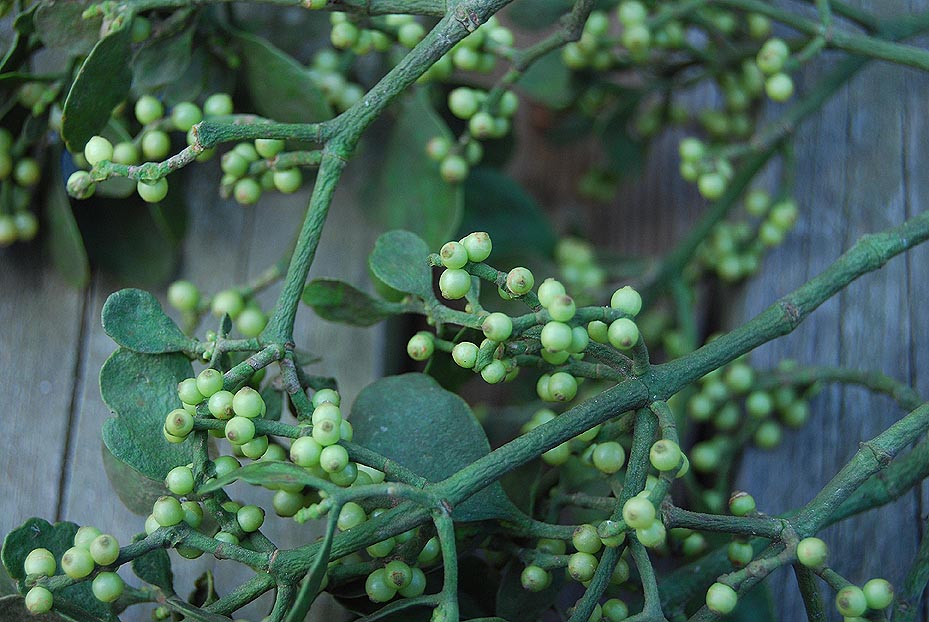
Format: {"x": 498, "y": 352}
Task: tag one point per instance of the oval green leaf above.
{"x": 141, "y": 389}
{"x": 59, "y": 25}
{"x": 162, "y": 60}
{"x": 280, "y": 87}
{"x": 431, "y": 431}
{"x": 133, "y": 318}
{"x": 267, "y": 474}
{"x": 400, "y": 260}
{"x": 155, "y": 568}
{"x": 409, "y": 193}
{"x": 338, "y": 301}
{"x": 101, "y": 84}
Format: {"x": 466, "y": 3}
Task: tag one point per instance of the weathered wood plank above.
{"x": 39, "y": 345}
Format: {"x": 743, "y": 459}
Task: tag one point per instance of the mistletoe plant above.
{"x": 635, "y": 460}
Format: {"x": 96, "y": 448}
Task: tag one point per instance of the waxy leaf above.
{"x": 133, "y": 318}
{"x": 141, "y": 389}
{"x": 161, "y": 61}
{"x": 101, "y": 84}
{"x": 515, "y": 604}
{"x": 20, "y": 47}
{"x": 409, "y": 192}
{"x": 155, "y": 568}
{"x": 76, "y": 601}
{"x": 549, "y": 82}
{"x": 280, "y": 87}
{"x": 338, "y": 301}
{"x": 400, "y": 260}
{"x": 59, "y": 24}
{"x": 63, "y": 239}
{"x": 431, "y": 431}
{"x": 537, "y": 14}
{"x": 497, "y": 204}
{"x": 137, "y": 492}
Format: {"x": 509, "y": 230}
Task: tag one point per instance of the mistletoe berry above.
{"x": 721, "y": 598}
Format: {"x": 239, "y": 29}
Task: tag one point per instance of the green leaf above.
{"x": 136, "y": 491}
{"x": 6, "y": 583}
{"x": 274, "y": 403}
{"x": 133, "y": 318}
{"x": 63, "y": 239}
{"x": 280, "y": 87}
{"x": 537, "y": 14}
{"x": 400, "y": 260}
{"x": 413, "y": 420}
{"x": 516, "y": 604}
{"x": 757, "y": 605}
{"x": 20, "y": 47}
{"x": 549, "y": 82}
{"x": 626, "y": 152}
{"x": 58, "y": 24}
{"x": 338, "y": 301}
{"x": 141, "y": 389}
{"x": 161, "y": 60}
{"x": 145, "y": 252}
{"x": 76, "y": 600}
{"x": 154, "y": 568}
{"x": 13, "y": 609}
{"x": 409, "y": 193}
{"x": 497, "y": 204}
{"x": 101, "y": 84}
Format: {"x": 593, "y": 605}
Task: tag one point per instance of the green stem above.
{"x": 809, "y": 590}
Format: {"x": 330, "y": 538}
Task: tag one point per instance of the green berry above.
{"x": 183, "y": 296}
{"x": 582, "y": 566}
{"x": 623, "y": 334}
{"x": 417, "y": 585}
{"x": 740, "y": 553}
{"x": 246, "y": 191}
{"x": 185, "y": 115}
{"x": 98, "y": 149}
{"x": 721, "y": 598}
{"x": 217, "y": 105}
{"x": 250, "y": 518}
{"x": 851, "y": 601}
{"x": 420, "y": 346}
{"x": 193, "y": 513}
{"x": 615, "y": 610}
{"x": 535, "y": 579}
{"x": 631, "y": 12}
{"x": 585, "y": 539}
{"x": 453, "y": 169}
{"x": 557, "y": 455}
{"x": 494, "y": 373}
{"x": 80, "y": 185}
{"x": 653, "y": 535}
{"x": 227, "y": 302}
{"x": 399, "y": 574}
{"x": 772, "y": 56}
{"x": 478, "y": 245}
{"x": 562, "y": 386}
{"x": 438, "y": 147}
{"x": 779, "y": 87}
{"x": 382, "y": 548}
{"x": 598, "y": 331}
{"x": 454, "y": 284}
{"x": 638, "y": 512}
{"x": 248, "y": 403}
{"x": 40, "y": 562}
{"x": 665, "y": 455}
{"x": 497, "y": 327}
{"x": 768, "y": 435}
{"x": 234, "y": 164}
{"x": 378, "y": 588}
{"x": 330, "y": 396}
{"x": 879, "y": 594}
{"x": 556, "y": 336}
{"x": 27, "y": 225}
{"x": 351, "y": 515}
{"x": 305, "y": 451}
{"x": 327, "y": 432}
{"x": 180, "y": 480}
{"x": 209, "y": 382}
{"x": 188, "y": 391}
{"x": 27, "y": 172}
{"x": 562, "y": 308}
{"x": 39, "y": 600}
{"x": 739, "y": 377}
{"x": 220, "y": 405}
{"x": 741, "y": 503}
{"x": 711, "y": 185}
{"x": 333, "y": 458}
{"x": 239, "y": 430}
{"x": 812, "y": 552}
{"x": 465, "y": 354}
{"x": 104, "y": 549}
{"x": 705, "y": 456}
{"x": 156, "y": 145}
{"x": 179, "y": 422}
{"x": 85, "y": 535}
{"x": 520, "y": 281}
{"x": 148, "y": 109}
{"x": 481, "y": 125}
{"x": 626, "y": 300}
{"x": 327, "y": 411}
{"x": 168, "y": 511}
{"x": 269, "y": 147}
{"x": 609, "y": 457}
{"x": 288, "y": 180}
{"x": 430, "y": 552}
{"x": 453, "y": 255}
{"x": 77, "y": 562}
{"x": 153, "y": 192}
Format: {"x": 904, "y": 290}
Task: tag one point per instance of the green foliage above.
{"x": 155, "y": 568}
{"x": 133, "y": 318}
{"x": 400, "y": 260}
{"x": 64, "y": 241}
{"x": 337, "y": 301}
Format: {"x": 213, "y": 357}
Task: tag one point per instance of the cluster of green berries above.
{"x": 17, "y": 224}
{"x": 486, "y": 120}
{"x": 578, "y": 268}
{"x": 327, "y": 72}
{"x": 581, "y": 566}
{"x": 475, "y": 53}
{"x": 244, "y": 184}
{"x": 379, "y": 34}
{"x": 729, "y": 399}
{"x": 734, "y": 249}
{"x": 249, "y": 319}
{"x": 151, "y": 144}
{"x": 712, "y": 175}
{"x": 92, "y": 550}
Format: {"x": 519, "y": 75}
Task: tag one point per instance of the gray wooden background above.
{"x": 861, "y": 166}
